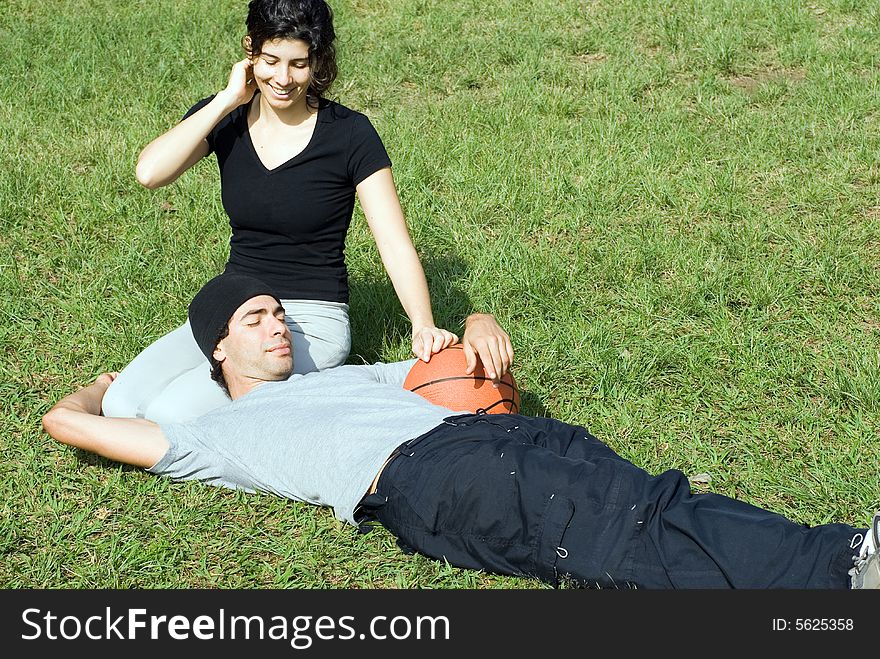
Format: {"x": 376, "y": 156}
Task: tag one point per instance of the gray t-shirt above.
{"x": 320, "y": 437}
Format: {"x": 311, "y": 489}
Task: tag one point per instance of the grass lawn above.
{"x": 672, "y": 207}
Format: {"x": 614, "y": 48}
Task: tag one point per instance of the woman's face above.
{"x": 282, "y": 72}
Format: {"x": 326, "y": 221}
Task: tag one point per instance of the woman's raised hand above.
{"x": 241, "y": 86}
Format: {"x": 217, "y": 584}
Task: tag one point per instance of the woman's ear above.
{"x": 246, "y": 43}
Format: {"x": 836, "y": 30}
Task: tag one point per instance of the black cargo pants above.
{"x": 536, "y": 497}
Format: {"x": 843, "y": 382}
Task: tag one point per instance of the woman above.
{"x": 291, "y": 163}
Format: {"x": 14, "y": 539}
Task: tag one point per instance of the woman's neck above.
{"x": 295, "y": 115}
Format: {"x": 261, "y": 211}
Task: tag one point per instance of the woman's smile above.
{"x": 282, "y": 70}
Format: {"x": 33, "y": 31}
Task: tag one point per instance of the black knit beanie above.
{"x": 213, "y": 306}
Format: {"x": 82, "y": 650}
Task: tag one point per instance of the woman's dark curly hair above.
{"x": 308, "y": 20}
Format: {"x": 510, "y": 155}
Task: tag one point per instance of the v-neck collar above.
{"x": 292, "y": 159}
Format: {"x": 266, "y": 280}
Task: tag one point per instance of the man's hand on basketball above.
{"x": 484, "y": 338}
{"x": 429, "y": 340}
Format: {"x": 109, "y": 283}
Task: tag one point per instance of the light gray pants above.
{"x": 170, "y": 381}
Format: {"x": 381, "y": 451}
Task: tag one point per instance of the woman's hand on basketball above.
{"x": 485, "y": 339}
{"x": 428, "y": 340}
{"x": 241, "y": 86}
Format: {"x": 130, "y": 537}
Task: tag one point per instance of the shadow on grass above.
{"x": 379, "y": 323}
{"x": 531, "y": 405}
{"x": 93, "y": 459}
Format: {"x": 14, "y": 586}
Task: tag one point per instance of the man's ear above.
{"x": 219, "y": 352}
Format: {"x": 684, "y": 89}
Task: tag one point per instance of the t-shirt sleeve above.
{"x": 184, "y": 458}
{"x": 367, "y": 154}
{"x": 191, "y": 456}
{"x": 195, "y": 108}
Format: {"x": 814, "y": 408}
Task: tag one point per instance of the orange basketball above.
{"x": 443, "y": 381}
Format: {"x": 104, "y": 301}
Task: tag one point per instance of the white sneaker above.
{"x": 866, "y": 573}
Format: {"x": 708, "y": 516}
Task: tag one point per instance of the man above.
{"x": 504, "y": 493}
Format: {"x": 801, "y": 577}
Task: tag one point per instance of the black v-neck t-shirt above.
{"x": 289, "y": 223}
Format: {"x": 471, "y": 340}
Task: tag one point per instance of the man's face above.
{"x": 258, "y": 344}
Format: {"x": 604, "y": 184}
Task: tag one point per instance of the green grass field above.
{"x": 672, "y": 206}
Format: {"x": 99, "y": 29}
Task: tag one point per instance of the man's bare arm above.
{"x": 76, "y": 420}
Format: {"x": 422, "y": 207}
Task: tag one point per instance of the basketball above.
{"x": 443, "y": 381}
